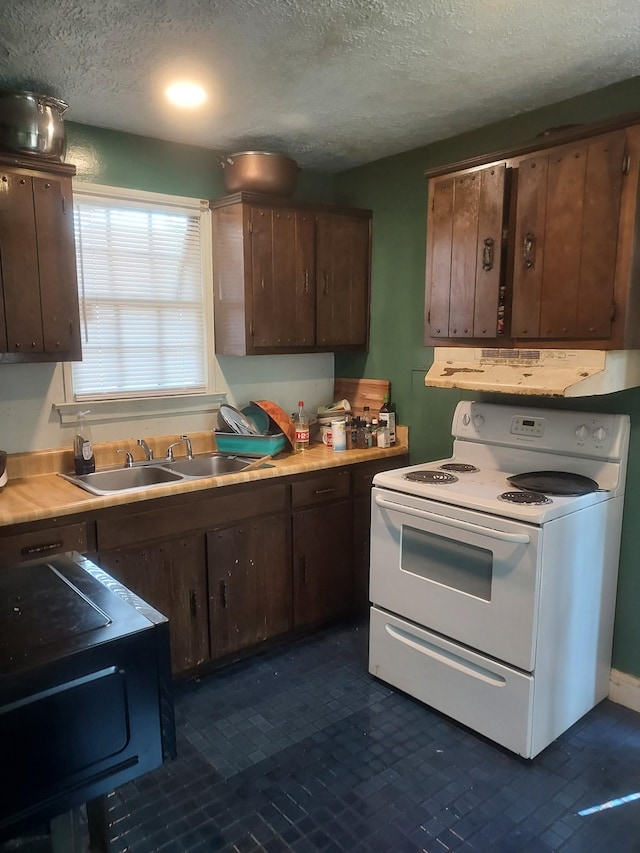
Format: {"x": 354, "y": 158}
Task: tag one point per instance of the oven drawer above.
{"x": 484, "y": 695}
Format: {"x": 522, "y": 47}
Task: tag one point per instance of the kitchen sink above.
{"x": 123, "y": 479}
{"x": 207, "y": 466}
{"x": 147, "y": 475}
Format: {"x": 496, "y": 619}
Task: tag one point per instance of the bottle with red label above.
{"x": 301, "y": 423}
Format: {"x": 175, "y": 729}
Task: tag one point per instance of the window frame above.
{"x": 180, "y": 401}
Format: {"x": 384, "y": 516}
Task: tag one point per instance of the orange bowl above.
{"x": 279, "y": 417}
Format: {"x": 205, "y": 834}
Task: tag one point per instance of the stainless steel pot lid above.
{"x": 559, "y": 483}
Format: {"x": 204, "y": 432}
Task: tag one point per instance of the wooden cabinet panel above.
{"x": 322, "y": 563}
{"x": 329, "y": 485}
{"x": 464, "y": 253}
{"x": 249, "y": 584}
{"x": 342, "y": 273}
{"x": 37, "y": 260}
{"x": 43, "y": 543}
{"x": 555, "y": 244}
{"x": 171, "y": 576}
{"x": 566, "y": 240}
{"x": 282, "y": 278}
{"x": 299, "y": 283}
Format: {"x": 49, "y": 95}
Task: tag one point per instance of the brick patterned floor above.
{"x": 301, "y": 750}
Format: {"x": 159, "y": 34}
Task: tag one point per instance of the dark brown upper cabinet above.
{"x": 39, "y": 319}
{"x": 537, "y": 247}
{"x": 289, "y": 277}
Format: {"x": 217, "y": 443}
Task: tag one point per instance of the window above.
{"x": 142, "y": 260}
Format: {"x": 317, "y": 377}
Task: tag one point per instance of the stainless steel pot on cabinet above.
{"x": 32, "y": 124}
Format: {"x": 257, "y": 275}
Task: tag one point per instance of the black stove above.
{"x": 85, "y": 688}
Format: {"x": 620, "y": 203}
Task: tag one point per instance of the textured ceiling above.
{"x": 334, "y": 83}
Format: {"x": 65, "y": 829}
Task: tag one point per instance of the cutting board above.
{"x": 361, "y": 393}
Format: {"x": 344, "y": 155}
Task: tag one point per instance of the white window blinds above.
{"x": 140, "y": 282}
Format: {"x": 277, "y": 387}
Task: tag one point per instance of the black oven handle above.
{"x": 519, "y": 538}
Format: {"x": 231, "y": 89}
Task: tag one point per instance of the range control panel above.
{"x": 601, "y": 435}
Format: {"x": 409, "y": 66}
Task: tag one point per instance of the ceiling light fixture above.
{"x": 185, "y": 94}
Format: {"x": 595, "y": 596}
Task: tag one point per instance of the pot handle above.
{"x": 59, "y": 105}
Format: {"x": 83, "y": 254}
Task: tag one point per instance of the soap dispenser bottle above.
{"x": 83, "y": 458}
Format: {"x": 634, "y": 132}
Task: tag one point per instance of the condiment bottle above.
{"x": 301, "y": 423}
{"x": 84, "y": 462}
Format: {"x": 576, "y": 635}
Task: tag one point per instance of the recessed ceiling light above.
{"x": 185, "y": 94}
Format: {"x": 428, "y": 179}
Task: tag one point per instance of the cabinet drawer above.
{"x": 330, "y": 486}
{"x": 42, "y": 543}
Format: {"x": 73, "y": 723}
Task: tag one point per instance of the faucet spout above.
{"x": 148, "y": 452}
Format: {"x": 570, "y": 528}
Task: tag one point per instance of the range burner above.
{"x": 435, "y": 477}
{"x": 521, "y": 497}
{"x": 459, "y": 467}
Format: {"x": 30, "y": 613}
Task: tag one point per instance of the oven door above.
{"x": 470, "y": 576}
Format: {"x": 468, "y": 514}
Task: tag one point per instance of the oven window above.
{"x": 467, "y": 568}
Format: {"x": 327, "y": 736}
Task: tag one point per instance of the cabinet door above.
{"x": 464, "y": 253}
{"x": 38, "y": 265}
{"x": 282, "y": 277}
{"x": 342, "y": 280}
{"x": 568, "y": 205}
{"x": 249, "y": 584}
{"x": 19, "y": 259}
{"x": 322, "y": 563}
{"x": 170, "y": 576}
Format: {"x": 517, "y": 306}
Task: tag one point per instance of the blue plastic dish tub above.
{"x": 250, "y": 445}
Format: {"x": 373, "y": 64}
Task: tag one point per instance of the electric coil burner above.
{"x": 530, "y": 498}
{"x": 434, "y": 477}
{"x": 493, "y": 588}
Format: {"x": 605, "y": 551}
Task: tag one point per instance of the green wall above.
{"x": 395, "y": 189}
{"x": 117, "y": 159}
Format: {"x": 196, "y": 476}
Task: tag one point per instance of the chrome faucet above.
{"x": 170, "y": 457}
{"x": 128, "y": 462}
{"x": 187, "y": 441}
{"x": 147, "y": 450}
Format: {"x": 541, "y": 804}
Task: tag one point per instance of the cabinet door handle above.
{"x": 193, "y": 603}
{"x": 326, "y": 283}
{"x": 529, "y": 250}
{"x": 302, "y": 563}
{"x": 306, "y": 281}
{"x": 223, "y": 594}
{"x": 324, "y": 491}
{"x": 487, "y": 254}
{"x": 40, "y": 549}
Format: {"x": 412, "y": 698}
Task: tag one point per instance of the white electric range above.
{"x": 493, "y": 599}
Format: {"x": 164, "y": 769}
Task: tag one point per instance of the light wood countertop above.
{"x": 49, "y": 496}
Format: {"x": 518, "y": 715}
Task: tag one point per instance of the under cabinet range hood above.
{"x": 539, "y": 372}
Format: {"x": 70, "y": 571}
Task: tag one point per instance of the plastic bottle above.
{"x": 387, "y": 417}
{"x": 301, "y": 423}
{"x": 83, "y": 459}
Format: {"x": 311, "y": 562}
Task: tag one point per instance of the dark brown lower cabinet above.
{"x": 249, "y": 583}
{"x": 171, "y": 576}
{"x": 322, "y": 563}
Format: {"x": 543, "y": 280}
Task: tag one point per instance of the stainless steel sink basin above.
{"x": 213, "y": 465}
{"x": 160, "y": 472}
{"x": 123, "y": 479}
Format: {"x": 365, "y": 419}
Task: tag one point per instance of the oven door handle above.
{"x": 519, "y": 538}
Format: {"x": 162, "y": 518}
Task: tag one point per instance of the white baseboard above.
{"x": 624, "y": 689}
